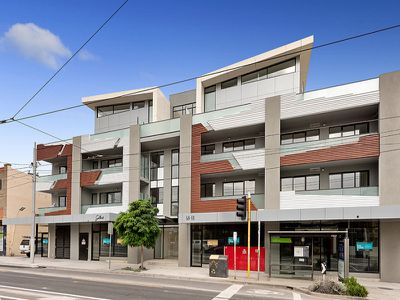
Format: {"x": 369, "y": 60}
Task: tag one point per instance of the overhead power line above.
{"x": 12, "y": 119}
{"x": 69, "y": 59}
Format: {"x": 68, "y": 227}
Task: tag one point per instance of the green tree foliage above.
{"x": 138, "y": 226}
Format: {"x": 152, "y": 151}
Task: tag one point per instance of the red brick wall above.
{"x": 199, "y": 168}
{"x": 367, "y": 146}
{"x": 51, "y": 152}
{"x": 89, "y": 178}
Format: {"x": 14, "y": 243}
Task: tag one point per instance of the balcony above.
{"x": 348, "y": 197}
{"x": 46, "y": 183}
{"x": 160, "y": 127}
{"x": 257, "y": 199}
{"x": 102, "y": 208}
{"x": 106, "y": 176}
{"x": 44, "y": 210}
{"x": 240, "y": 160}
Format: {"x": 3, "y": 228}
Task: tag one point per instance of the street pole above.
{"x": 32, "y": 243}
{"x": 258, "y": 247}
{"x": 234, "y": 251}
{"x": 248, "y": 234}
{"x": 110, "y": 233}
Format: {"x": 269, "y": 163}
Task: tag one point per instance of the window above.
{"x": 229, "y": 83}
{"x": 207, "y": 190}
{"x": 174, "y": 200}
{"x": 110, "y": 197}
{"x": 208, "y": 149}
{"x": 150, "y": 111}
{"x": 239, "y": 188}
{"x": 157, "y": 177}
{"x": 300, "y": 137}
{"x": 282, "y": 68}
{"x": 94, "y": 199}
{"x": 95, "y": 165}
{"x": 62, "y": 170}
{"x": 122, "y": 108}
{"x": 157, "y": 195}
{"x": 103, "y": 111}
{"x": 185, "y": 109}
{"x": 300, "y": 183}
{"x": 110, "y": 163}
{"x": 272, "y": 71}
{"x": 348, "y": 130}
{"x": 138, "y": 105}
{"x": 61, "y": 201}
{"x": 209, "y": 98}
{"x": 349, "y": 180}
{"x": 239, "y": 145}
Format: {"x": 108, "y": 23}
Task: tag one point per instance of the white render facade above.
{"x": 323, "y": 160}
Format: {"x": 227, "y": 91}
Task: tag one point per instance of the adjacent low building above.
{"x": 320, "y": 165}
{"x": 16, "y": 201}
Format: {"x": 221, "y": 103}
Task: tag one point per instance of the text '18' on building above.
{"x": 319, "y": 165}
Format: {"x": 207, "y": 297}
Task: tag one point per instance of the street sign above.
{"x": 364, "y": 246}
{"x": 110, "y": 228}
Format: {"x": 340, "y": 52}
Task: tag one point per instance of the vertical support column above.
{"x": 74, "y": 241}
{"x": 52, "y": 241}
{"x": 389, "y": 121}
{"x": 272, "y": 155}
{"x": 133, "y": 163}
{"x": 389, "y": 250}
{"x": 167, "y": 183}
{"x": 272, "y": 251}
{"x": 76, "y": 176}
{"x": 185, "y": 190}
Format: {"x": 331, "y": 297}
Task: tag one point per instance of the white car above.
{"x": 24, "y": 247}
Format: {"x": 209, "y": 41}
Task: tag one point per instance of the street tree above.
{"x": 138, "y": 226}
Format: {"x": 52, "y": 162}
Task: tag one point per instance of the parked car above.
{"x": 24, "y": 247}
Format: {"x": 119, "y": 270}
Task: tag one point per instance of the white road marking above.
{"x": 296, "y": 296}
{"x": 229, "y": 292}
{"x": 264, "y": 292}
{"x": 51, "y": 293}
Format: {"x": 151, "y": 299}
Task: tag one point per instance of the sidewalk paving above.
{"x": 169, "y": 269}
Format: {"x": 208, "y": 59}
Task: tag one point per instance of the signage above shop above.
{"x": 364, "y": 246}
{"x": 281, "y": 240}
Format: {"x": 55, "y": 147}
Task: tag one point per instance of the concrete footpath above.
{"x": 169, "y": 269}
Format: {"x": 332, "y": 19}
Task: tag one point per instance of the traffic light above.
{"x": 241, "y": 207}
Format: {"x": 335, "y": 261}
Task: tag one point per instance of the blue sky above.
{"x": 155, "y": 42}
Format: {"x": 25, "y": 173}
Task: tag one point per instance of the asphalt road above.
{"x": 24, "y": 284}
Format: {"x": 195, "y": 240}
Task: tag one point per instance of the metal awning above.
{"x": 66, "y": 219}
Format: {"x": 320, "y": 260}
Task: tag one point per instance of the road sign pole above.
{"x": 248, "y": 233}
{"x": 110, "y": 232}
{"x": 33, "y": 231}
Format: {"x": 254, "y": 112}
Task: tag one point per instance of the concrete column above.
{"x": 272, "y": 155}
{"x": 134, "y": 179}
{"x": 167, "y": 183}
{"x": 74, "y": 241}
{"x": 76, "y": 176}
{"x": 389, "y": 122}
{"x": 52, "y": 241}
{"x": 389, "y": 239}
{"x": 185, "y": 191}
{"x": 275, "y": 251}
{"x": 134, "y": 163}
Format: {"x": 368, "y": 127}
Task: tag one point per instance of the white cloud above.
{"x": 86, "y": 55}
{"x": 36, "y": 43}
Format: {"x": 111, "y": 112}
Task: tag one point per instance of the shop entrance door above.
{"x": 83, "y": 246}
{"x": 63, "y": 242}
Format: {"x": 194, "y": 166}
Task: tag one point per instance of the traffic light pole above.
{"x": 248, "y": 233}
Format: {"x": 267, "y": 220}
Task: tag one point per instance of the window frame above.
{"x": 243, "y": 182}
{"x": 183, "y": 108}
{"x": 354, "y": 125}
{"x": 354, "y": 179}
{"x": 243, "y": 141}
{"x": 305, "y": 182}
{"x": 203, "y": 186}
{"x": 305, "y": 132}
{"x": 113, "y": 109}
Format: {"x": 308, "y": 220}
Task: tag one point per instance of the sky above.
{"x": 156, "y": 42}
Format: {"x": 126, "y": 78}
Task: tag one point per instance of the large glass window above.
{"x": 300, "y": 137}
{"x": 185, "y": 109}
{"x": 150, "y": 111}
{"x": 239, "y": 188}
{"x": 349, "y": 180}
{"x": 207, "y": 190}
{"x": 138, "y": 105}
{"x": 157, "y": 177}
{"x": 122, "y": 108}
{"x": 107, "y": 110}
{"x": 239, "y": 145}
{"x": 348, "y": 130}
{"x": 101, "y": 243}
{"x": 208, "y": 149}
{"x": 175, "y": 182}
{"x": 209, "y": 98}
{"x": 111, "y": 197}
{"x": 229, "y": 83}
{"x": 300, "y": 183}
{"x": 283, "y": 68}
{"x": 109, "y": 163}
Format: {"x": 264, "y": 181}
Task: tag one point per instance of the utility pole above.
{"x": 248, "y": 233}
{"x": 33, "y": 248}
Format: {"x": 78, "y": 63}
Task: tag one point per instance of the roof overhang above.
{"x": 66, "y": 219}
{"x": 119, "y": 97}
{"x": 300, "y": 48}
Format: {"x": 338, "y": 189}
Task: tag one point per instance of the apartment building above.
{"x": 16, "y": 201}
{"x": 319, "y": 165}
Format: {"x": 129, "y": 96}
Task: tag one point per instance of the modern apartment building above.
{"x": 16, "y": 201}
{"x": 319, "y": 165}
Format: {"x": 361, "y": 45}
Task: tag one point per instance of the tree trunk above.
{"x": 141, "y": 257}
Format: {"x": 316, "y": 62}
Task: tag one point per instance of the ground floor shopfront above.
{"x": 364, "y": 246}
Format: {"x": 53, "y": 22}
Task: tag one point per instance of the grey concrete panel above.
{"x": 357, "y": 212}
{"x": 76, "y": 176}
{"x": 334, "y": 213}
{"x": 134, "y": 163}
{"x": 312, "y": 214}
{"x": 389, "y": 251}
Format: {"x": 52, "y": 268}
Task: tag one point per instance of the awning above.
{"x": 81, "y": 218}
